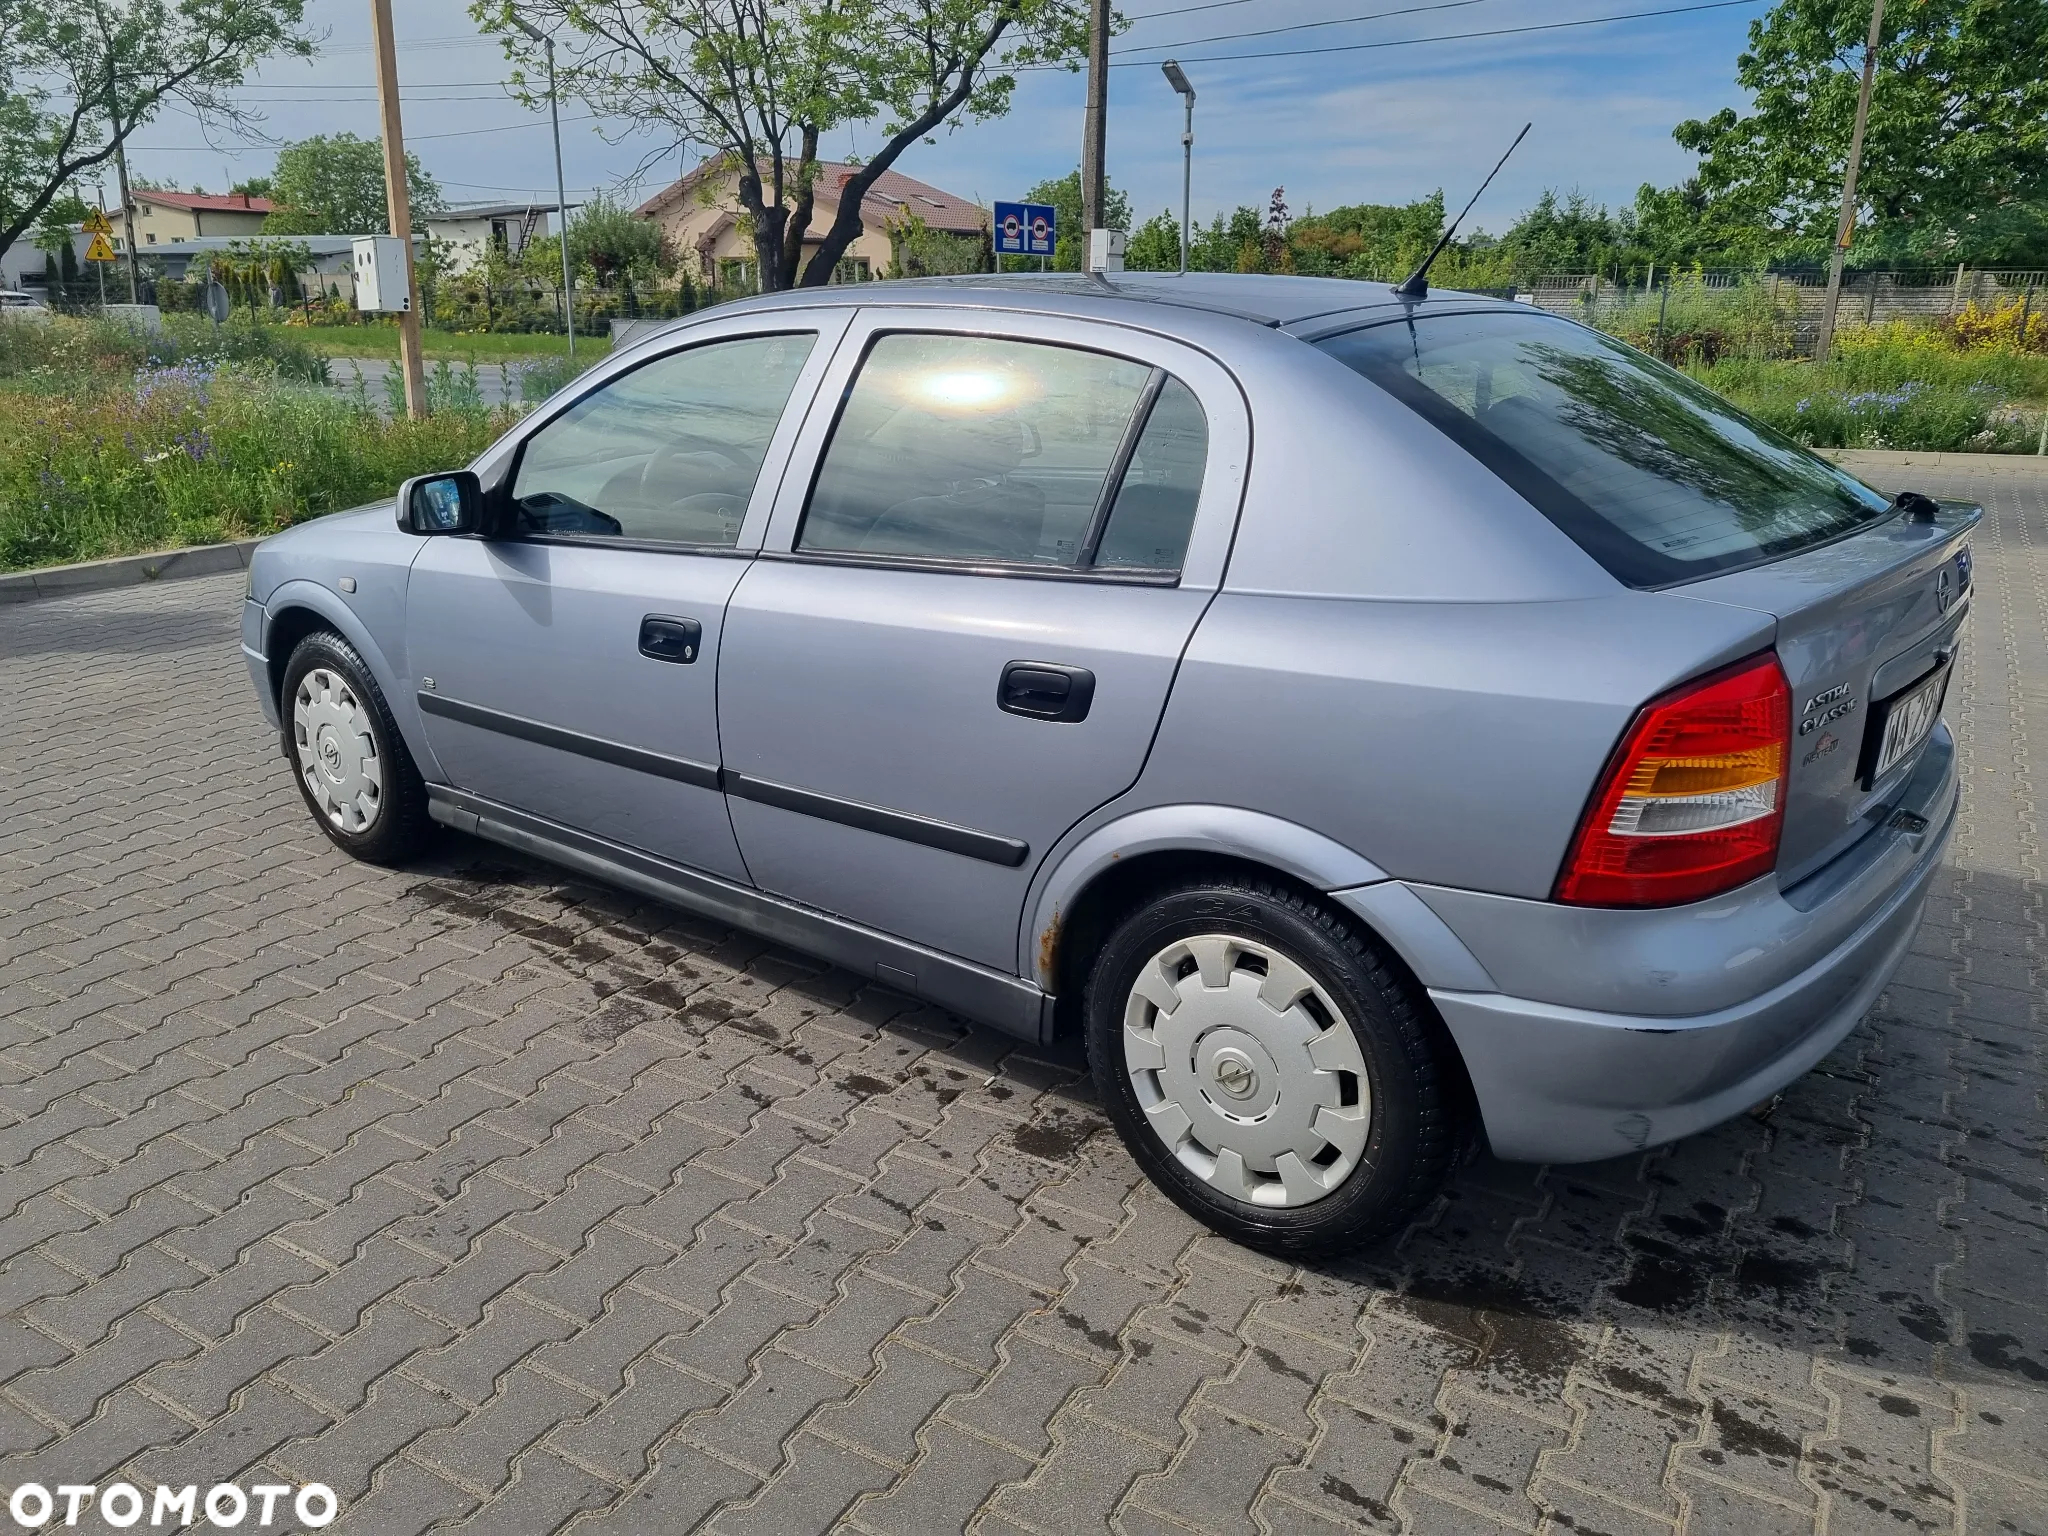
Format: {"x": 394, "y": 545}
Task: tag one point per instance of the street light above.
{"x": 1179, "y": 81}
{"x": 561, "y": 194}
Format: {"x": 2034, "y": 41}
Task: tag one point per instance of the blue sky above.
{"x": 1375, "y": 124}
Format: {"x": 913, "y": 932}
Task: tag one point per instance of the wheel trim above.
{"x": 1246, "y": 1070}
{"x": 336, "y": 751}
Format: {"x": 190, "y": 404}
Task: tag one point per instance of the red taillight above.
{"x": 1693, "y": 800}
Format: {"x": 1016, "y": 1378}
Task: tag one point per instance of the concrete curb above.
{"x": 124, "y": 571}
{"x": 1881, "y": 459}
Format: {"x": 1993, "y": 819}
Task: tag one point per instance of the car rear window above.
{"x": 1650, "y": 472}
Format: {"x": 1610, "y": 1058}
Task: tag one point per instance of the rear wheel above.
{"x": 1270, "y": 1069}
{"x": 352, "y": 766}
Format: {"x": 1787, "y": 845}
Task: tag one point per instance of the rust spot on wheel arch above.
{"x": 1049, "y": 945}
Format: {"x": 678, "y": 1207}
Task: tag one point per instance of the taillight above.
{"x": 1693, "y": 800}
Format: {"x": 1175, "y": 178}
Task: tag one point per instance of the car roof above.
{"x": 1291, "y": 303}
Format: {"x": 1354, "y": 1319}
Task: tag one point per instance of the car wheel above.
{"x": 352, "y": 766}
{"x": 1270, "y": 1069}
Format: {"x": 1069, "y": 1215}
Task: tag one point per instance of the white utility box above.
{"x": 382, "y": 282}
{"x": 1105, "y": 250}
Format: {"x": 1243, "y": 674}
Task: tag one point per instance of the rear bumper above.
{"x": 1565, "y": 1084}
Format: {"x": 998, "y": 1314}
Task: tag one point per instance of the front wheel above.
{"x": 352, "y": 766}
{"x": 1270, "y": 1069}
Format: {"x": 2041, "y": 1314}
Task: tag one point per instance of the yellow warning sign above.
{"x": 101, "y": 249}
{"x": 96, "y": 224}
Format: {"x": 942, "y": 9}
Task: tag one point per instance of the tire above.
{"x": 351, "y": 765}
{"x": 1300, "y": 1035}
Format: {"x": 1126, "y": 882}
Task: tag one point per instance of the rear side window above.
{"x": 989, "y": 451}
{"x": 1651, "y": 473}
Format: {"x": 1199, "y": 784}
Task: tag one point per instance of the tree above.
{"x": 1063, "y": 194}
{"x": 76, "y": 78}
{"x": 334, "y": 185}
{"x": 609, "y": 242}
{"x": 1956, "y": 159}
{"x": 760, "y": 81}
{"x": 254, "y": 186}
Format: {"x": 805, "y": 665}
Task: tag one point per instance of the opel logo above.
{"x": 1236, "y": 1077}
{"x": 1944, "y": 589}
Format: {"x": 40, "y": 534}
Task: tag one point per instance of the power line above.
{"x": 1305, "y": 26}
{"x": 1410, "y": 42}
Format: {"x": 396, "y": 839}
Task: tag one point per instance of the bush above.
{"x": 195, "y": 453}
{"x": 1693, "y": 322}
{"x": 62, "y": 352}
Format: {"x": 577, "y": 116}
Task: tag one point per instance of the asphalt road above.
{"x": 499, "y": 1201}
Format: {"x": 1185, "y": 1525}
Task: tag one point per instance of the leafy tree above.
{"x": 60, "y": 221}
{"x": 333, "y": 184}
{"x": 759, "y": 81}
{"x": 76, "y": 77}
{"x": 609, "y": 242}
{"x": 1154, "y": 246}
{"x": 1371, "y": 240}
{"x": 1071, "y": 243}
{"x": 1956, "y": 158}
{"x": 254, "y": 186}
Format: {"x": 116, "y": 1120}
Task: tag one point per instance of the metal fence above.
{"x": 1873, "y": 298}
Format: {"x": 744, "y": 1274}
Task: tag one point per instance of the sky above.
{"x": 1391, "y": 106}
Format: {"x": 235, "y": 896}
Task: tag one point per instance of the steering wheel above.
{"x": 676, "y": 465}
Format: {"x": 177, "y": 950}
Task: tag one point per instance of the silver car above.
{"x": 1362, "y": 719}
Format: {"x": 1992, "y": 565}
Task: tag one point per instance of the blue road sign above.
{"x": 1026, "y": 229}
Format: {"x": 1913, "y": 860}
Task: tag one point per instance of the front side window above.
{"x": 1650, "y": 472}
{"x": 669, "y": 452}
{"x": 984, "y": 450}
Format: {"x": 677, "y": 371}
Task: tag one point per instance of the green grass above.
{"x": 102, "y": 461}
{"x": 483, "y": 346}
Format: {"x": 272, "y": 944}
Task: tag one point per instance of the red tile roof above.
{"x": 891, "y": 192}
{"x": 204, "y": 202}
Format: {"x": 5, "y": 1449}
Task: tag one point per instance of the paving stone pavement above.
{"x": 502, "y": 1202}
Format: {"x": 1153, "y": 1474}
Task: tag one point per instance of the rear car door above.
{"x": 566, "y": 665}
{"x": 961, "y": 631}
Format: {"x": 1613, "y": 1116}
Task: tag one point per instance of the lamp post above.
{"x": 1179, "y": 81}
{"x": 561, "y": 193}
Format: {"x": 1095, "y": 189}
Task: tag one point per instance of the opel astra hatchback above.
{"x": 1361, "y": 719}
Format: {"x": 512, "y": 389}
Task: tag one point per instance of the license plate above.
{"x": 1902, "y": 722}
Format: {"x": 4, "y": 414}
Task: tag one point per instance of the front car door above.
{"x": 567, "y": 663}
{"x": 962, "y": 627}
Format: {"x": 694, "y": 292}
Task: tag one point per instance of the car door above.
{"x": 964, "y": 622}
{"x": 566, "y": 665}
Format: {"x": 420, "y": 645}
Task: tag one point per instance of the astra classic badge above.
{"x": 1828, "y": 705}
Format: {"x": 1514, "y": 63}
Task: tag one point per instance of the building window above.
{"x": 851, "y": 269}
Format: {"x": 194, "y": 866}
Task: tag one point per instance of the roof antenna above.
{"x": 1417, "y": 286}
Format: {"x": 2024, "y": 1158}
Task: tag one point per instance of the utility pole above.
{"x": 561, "y": 193}
{"x": 1094, "y": 124}
{"x": 398, "y": 196}
{"x": 1824, "y": 344}
{"x": 127, "y": 202}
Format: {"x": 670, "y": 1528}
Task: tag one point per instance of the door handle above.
{"x": 676, "y": 640}
{"x": 1045, "y": 690}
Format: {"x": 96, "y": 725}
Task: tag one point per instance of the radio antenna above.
{"x": 1417, "y": 286}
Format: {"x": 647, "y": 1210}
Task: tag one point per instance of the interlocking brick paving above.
{"x": 499, "y": 1201}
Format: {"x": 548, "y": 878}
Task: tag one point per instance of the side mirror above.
{"x": 451, "y": 502}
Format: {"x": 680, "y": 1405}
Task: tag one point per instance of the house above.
{"x": 468, "y": 230}
{"x": 161, "y": 217}
{"x": 700, "y": 215}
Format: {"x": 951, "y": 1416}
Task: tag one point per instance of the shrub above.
{"x": 194, "y": 453}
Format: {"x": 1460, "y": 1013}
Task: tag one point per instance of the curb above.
{"x": 1983, "y": 463}
{"x": 125, "y": 571}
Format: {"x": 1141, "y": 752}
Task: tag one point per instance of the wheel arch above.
{"x": 1099, "y": 877}
{"x": 300, "y": 608}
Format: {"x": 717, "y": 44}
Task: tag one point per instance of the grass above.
{"x": 100, "y": 455}
{"x": 480, "y": 346}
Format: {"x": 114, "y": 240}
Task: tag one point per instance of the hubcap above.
{"x": 337, "y": 754}
{"x": 1246, "y": 1070}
